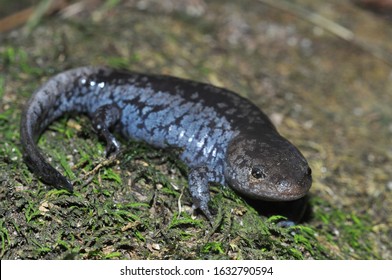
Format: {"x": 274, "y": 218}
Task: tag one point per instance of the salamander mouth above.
{"x": 283, "y": 197}
{"x": 284, "y": 191}
{"x": 277, "y": 196}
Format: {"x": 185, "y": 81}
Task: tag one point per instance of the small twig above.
{"x": 311, "y": 17}
{"x": 31, "y": 15}
{"x": 329, "y": 26}
{"x": 15, "y": 20}
{"x": 179, "y": 203}
{"x": 89, "y": 176}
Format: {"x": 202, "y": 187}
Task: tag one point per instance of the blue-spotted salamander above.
{"x": 223, "y": 137}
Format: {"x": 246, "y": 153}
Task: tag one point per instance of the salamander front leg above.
{"x": 200, "y": 192}
{"x": 103, "y": 119}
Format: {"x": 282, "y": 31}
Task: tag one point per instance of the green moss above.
{"x": 5, "y": 238}
{"x": 348, "y": 232}
{"x": 213, "y": 247}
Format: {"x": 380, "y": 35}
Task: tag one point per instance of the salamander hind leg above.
{"x": 199, "y": 189}
{"x": 103, "y": 119}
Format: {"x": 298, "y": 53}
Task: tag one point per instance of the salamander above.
{"x": 223, "y": 137}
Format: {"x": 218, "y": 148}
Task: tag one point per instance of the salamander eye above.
{"x": 258, "y": 173}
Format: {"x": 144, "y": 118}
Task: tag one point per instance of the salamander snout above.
{"x": 294, "y": 186}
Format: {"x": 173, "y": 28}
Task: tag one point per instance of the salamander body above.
{"x": 223, "y": 137}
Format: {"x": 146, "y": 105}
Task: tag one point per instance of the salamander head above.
{"x": 267, "y": 168}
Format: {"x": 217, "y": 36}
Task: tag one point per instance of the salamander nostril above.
{"x": 283, "y": 186}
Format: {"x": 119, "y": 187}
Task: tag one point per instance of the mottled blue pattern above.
{"x": 224, "y": 138}
{"x": 164, "y": 120}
